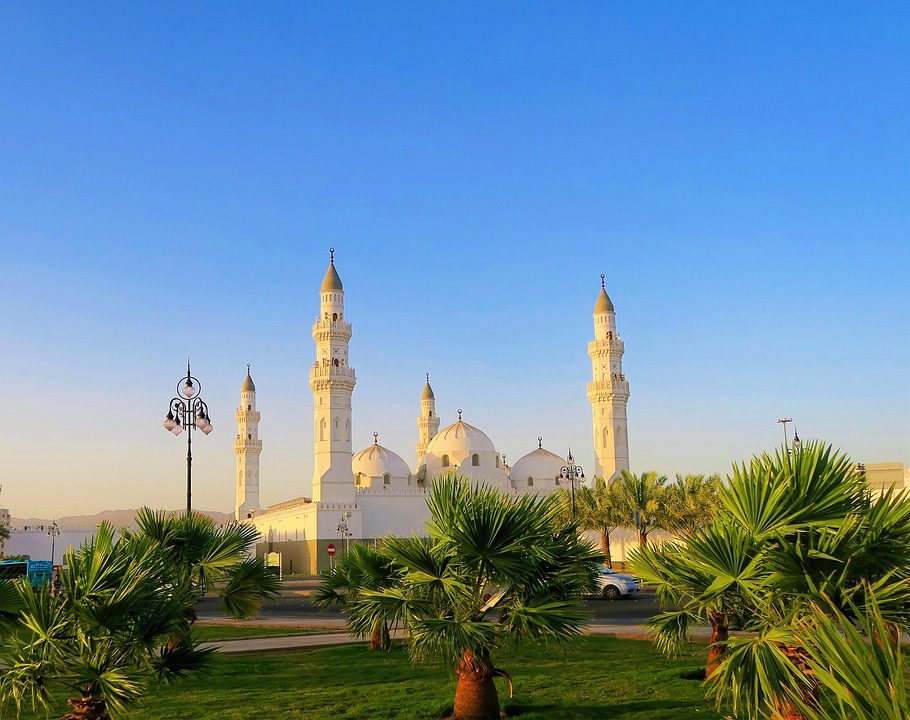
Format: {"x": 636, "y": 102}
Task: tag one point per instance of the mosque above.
{"x": 360, "y": 496}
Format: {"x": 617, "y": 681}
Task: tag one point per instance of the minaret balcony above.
{"x": 615, "y": 390}
{"x": 609, "y": 346}
{"x": 331, "y": 330}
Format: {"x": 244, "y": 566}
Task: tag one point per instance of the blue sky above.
{"x": 172, "y": 174}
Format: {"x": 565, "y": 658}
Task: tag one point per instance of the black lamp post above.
{"x": 569, "y": 472}
{"x": 187, "y": 411}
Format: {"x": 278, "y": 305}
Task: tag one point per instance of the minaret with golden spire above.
{"x": 608, "y": 393}
{"x": 332, "y": 381}
{"x": 427, "y": 422}
{"x": 247, "y": 448}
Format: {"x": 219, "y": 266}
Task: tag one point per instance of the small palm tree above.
{"x": 104, "y": 638}
{"x": 643, "y": 501}
{"x": 496, "y": 569}
{"x": 362, "y": 568}
{"x": 203, "y": 556}
{"x": 796, "y": 532}
{"x": 598, "y": 509}
{"x": 691, "y": 502}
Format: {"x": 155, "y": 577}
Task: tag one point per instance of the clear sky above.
{"x": 172, "y": 175}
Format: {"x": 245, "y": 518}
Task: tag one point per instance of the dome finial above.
{"x": 540, "y": 441}
{"x": 459, "y": 413}
{"x": 375, "y": 438}
{"x": 428, "y": 377}
{"x": 332, "y": 256}
{"x": 602, "y": 286}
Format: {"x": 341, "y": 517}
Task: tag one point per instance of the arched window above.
{"x": 475, "y": 460}
{"x": 336, "y": 423}
{"x": 606, "y": 434}
{"x": 335, "y": 362}
{"x": 249, "y": 436}
{"x": 347, "y": 425}
{"x": 445, "y": 461}
{"x": 497, "y": 460}
{"x": 530, "y": 482}
{"x": 249, "y": 407}
{"x": 386, "y": 480}
{"x": 431, "y": 413}
{"x": 322, "y": 429}
{"x": 334, "y": 316}
{"x": 357, "y": 479}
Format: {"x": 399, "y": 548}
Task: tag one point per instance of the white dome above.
{"x": 538, "y": 464}
{"x": 375, "y": 461}
{"x": 459, "y": 438}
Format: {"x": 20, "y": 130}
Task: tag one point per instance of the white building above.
{"x": 374, "y": 492}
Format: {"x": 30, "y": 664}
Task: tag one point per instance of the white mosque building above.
{"x": 360, "y": 496}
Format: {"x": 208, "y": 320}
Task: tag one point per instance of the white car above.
{"x": 614, "y": 585}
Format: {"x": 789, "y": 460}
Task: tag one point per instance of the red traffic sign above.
{"x": 330, "y": 549}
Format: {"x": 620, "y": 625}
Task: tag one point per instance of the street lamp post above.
{"x": 53, "y": 532}
{"x": 569, "y": 472}
{"x": 345, "y": 532}
{"x": 783, "y": 421}
{"x": 187, "y": 411}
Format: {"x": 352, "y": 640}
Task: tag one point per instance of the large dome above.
{"x": 375, "y": 461}
{"x": 460, "y": 438}
{"x": 538, "y": 464}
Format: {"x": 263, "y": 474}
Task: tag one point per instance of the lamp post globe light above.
{"x": 187, "y": 411}
{"x": 570, "y": 471}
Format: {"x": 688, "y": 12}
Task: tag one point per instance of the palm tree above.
{"x": 103, "y": 639}
{"x": 792, "y": 530}
{"x": 598, "y": 509}
{"x": 643, "y": 501}
{"x": 709, "y": 579}
{"x": 691, "y": 502}
{"x": 496, "y": 569}
{"x": 361, "y": 568}
{"x": 203, "y": 556}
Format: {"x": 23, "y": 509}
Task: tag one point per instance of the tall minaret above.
{"x": 428, "y": 422}
{"x": 247, "y": 447}
{"x": 609, "y": 392}
{"x": 332, "y": 381}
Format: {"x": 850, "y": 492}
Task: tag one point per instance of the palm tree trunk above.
{"x": 720, "y": 633}
{"x": 605, "y": 548}
{"x": 787, "y": 710}
{"x": 87, "y": 707}
{"x": 475, "y": 697}
{"x": 642, "y": 536}
{"x": 380, "y": 639}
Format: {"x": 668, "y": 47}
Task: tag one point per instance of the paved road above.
{"x": 298, "y": 609}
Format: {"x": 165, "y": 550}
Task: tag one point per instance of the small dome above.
{"x": 248, "y": 385}
{"x": 331, "y": 281}
{"x": 375, "y": 461}
{"x": 539, "y": 463}
{"x": 604, "y": 304}
{"x": 460, "y": 438}
{"x": 427, "y": 393}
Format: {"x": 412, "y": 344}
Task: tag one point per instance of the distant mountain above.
{"x": 117, "y": 518}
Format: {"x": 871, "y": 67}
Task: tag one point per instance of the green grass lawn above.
{"x": 595, "y": 677}
{"x": 236, "y": 632}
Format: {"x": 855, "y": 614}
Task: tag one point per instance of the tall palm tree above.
{"x": 362, "y": 568}
{"x": 598, "y": 509}
{"x": 203, "y": 557}
{"x": 691, "y": 502}
{"x": 643, "y": 501}
{"x": 104, "y": 638}
{"x": 496, "y": 569}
